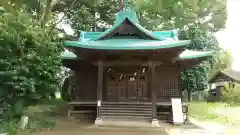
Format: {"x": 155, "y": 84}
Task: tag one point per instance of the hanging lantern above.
{"x": 135, "y": 74}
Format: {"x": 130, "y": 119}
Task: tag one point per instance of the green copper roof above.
{"x": 165, "y": 35}
{"x": 127, "y": 44}
{"x": 134, "y": 23}
{"x": 68, "y": 55}
{"x": 189, "y": 54}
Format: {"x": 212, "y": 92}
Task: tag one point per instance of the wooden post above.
{"x": 154, "y": 98}
{"x": 99, "y": 92}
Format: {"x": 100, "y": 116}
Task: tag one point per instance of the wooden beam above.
{"x": 127, "y": 63}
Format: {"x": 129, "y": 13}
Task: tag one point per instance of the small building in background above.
{"x": 219, "y": 80}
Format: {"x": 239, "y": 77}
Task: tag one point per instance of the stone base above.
{"x": 98, "y": 121}
{"x": 155, "y": 123}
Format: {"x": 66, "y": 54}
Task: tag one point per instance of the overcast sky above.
{"x": 229, "y": 38}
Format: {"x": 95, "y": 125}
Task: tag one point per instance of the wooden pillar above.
{"x": 99, "y": 92}
{"x": 153, "y": 87}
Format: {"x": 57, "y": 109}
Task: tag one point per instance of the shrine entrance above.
{"x": 122, "y": 87}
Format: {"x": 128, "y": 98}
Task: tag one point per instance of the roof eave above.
{"x": 84, "y": 46}
{"x": 192, "y": 57}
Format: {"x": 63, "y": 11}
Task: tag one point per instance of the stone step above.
{"x": 125, "y": 114}
{"x": 117, "y": 117}
{"x": 130, "y": 106}
{"x": 126, "y": 111}
{"x": 126, "y": 108}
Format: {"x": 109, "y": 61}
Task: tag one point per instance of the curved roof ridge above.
{"x": 136, "y": 24}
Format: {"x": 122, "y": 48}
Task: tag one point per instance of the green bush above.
{"x": 29, "y": 63}
{"x": 231, "y": 94}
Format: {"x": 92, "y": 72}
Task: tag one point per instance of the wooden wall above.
{"x": 168, "y": 83}
{"x": 168, "y": 80}
{"x": 86, "y": 83}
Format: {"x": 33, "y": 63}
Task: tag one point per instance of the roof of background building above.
{"x": 226, "y": 74}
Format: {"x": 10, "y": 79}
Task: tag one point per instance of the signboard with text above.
{"x": 177, "y": 111}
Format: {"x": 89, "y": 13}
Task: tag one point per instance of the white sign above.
{"x": 178, "y": 117}
{"x": 23, "y": 122}
{"x": 99, "y": 103}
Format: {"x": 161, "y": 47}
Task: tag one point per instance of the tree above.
{"x": 95, "y": 15}
{"x": 195, "y": 79}
{"x": 45, "y": 11}
{"x": 181, "y": 14}
{"x": 153, "y": 14}
{"x": 29, "y": 62}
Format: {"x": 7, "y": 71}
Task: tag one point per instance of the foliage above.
{"x": 153, "y": 14}
{"x": 231, "y": 94}
{"x": 207, "y": 111}
{"x": 41, "y": 10}
{"x": 181, "y": 14}
{"x": 10, "y": 127}
{"x": 29, "y": 62}
{"x": 43, "y": 116}
{"x": 68, "y": 87}
{"x": 195, "y": 78}
{"x": 93, "y": 15}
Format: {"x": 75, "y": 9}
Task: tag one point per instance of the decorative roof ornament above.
{"x": 125, "y": 5}
{"x": 126, "y": 11}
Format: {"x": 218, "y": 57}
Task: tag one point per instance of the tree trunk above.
{"x": 94, "y": 20}
{"x": 189, "y": 95}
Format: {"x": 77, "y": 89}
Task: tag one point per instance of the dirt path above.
{"x": 76, "y": 127}
{"x": 85, "y": 127}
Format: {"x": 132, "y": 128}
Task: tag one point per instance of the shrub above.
{"x": 29, "y": 63}
{"x": 231, "y": 94}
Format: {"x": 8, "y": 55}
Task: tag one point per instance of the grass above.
{"x": 208, "y": 112}
{"x": 41, "y": 117}
{"x": 221, "y": 113}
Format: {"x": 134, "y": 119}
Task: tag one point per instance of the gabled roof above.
{"x": 131, "y": 17}
{"x": 148, "y": 40}
{"x": 228, "y": 74}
